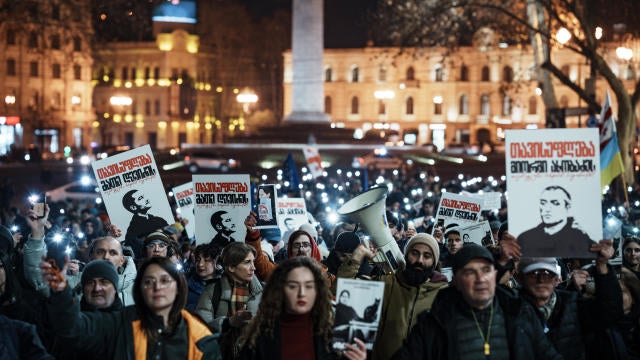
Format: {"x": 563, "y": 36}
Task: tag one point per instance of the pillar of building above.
{"x": 307, "y": 45}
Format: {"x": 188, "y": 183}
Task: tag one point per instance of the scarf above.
{"x": 239, "y": 297}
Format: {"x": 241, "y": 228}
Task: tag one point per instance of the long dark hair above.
{"x": 272, "y": 304}
{"x": 144, "y": 313}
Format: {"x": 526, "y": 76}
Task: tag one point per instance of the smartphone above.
{"x": 38, "y": 202}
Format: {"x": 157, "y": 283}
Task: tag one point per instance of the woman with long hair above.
{"x": 295, "y": 318}
{"x": 157, "y": 326}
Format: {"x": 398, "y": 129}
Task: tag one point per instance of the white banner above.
{"x": 186, "y": 201}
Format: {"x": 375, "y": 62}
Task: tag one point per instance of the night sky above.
{"x": 345, "y": 20}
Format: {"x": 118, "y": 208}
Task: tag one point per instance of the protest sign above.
{"x": 292, "y": 212}
{"x": 267, "y": 207}
{"x": 456, "y": 209}
{"x": 130, "y": 181}
{"x": 221, "y": 207}
{"x": 185, "y": 200}
{"x": 553, "y": 185}
{"x": 479, "y": 233}
{"x": 358, "y": 310}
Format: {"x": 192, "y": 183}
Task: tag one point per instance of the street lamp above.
{"x": 246, "y": 98}
{"x": 563, "y": 36}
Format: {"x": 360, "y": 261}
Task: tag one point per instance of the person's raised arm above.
{"x": 34, "y": 250}
{"x": 349, "y": 269}
{"x": 264, "y": 266}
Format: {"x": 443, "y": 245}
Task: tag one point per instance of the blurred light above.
{"x": 85, "y": 180}
{"x": 69, "y": 160}
{"x": 563, "y": 36}
{"x": 264, "y": 177}
{"x": 57, "y": 237}
{"x": 14, "y": 228}
{"x": 62, "y": 211}
{"x": 170, "y": 193}
{"x": 80, "y": 235}
{"x": 436, "y": 179}
{"x": 379, "y": 180}
{"x": 357, "y": 173}
{"x": 332, "y": 218}
{"x": 178, "y": 266}
{"x": 395, "y": 172}
{"x": 99, "y": 200}
{"x": 598, "y": 33}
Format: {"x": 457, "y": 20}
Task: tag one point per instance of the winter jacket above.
{"x": 577, "y": 321}
{"x": 435, "y": 335}
{"x": 400, "y": 308}
{"x": 215, "y": 314}
{"x": 126, "y": 278}
{"x": 20, "y": 341}
{"x": 118, "y": 334}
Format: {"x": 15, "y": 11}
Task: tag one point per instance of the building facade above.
{"x": 158, "y": 93}
{"x": 432, "y": 95}
{"x": 45, "y": 75}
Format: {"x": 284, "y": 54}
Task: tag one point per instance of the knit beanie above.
{"x": 99, "y": 269}
{"x": 430, "y": 241}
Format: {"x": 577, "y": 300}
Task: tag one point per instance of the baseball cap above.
{"x": 527, "y": 265}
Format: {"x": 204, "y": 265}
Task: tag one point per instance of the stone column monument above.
{"x": 307, "y": 90}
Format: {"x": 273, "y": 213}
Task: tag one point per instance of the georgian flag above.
{"x": 314, "y": 162}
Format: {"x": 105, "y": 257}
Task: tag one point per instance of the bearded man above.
{"x": 407, "y": 292}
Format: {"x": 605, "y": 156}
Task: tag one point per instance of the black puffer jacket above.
{"x": 577, "y": 324}
{"x": 434, "y": 336}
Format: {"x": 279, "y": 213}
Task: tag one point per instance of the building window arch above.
{"x": 411, "y": 73}
{"x": 507, "y": 74}
{"x": 533, "y": 105}
{"x": 355, "y": 74}
{"x": 464, "y": 73}
{"x": 409, "y": 106}
{"x": 77, "y": 43}
{"x": 327, "y": 104}
{"x": 486, "y": 73}
{"x": 506, "y": 105}
{"x": 327, "y": 74}
{"x": 439, "y": 74}
{"x": 11, "y": 67}
{"x": 355, "y": 105}
{"x": 485, "y": 105}
{"x": 55, "y": 42}
{"x": 33, "y": 40}
{"x": 382, "y": 108}
{"x": 464, "y": 105}
{"x": 11, "y": 37}
{"x": 382, "y": 73}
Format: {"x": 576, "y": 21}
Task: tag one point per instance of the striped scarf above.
{"x": 239, "y": 297}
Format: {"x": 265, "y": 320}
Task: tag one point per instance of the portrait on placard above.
{"x": 292, "y": 212}
{"x": 553, "y": 182}
{"x": 185, "y": 201}
{"x": 128, "y": 183}
{"x": 222, "y": 203}
{"x": 357, "y": 313}
{"x": 267, "y": 207}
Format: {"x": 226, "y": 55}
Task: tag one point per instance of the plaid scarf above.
{"x": 239, "y": 297}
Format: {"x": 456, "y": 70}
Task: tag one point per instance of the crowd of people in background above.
{"x": 273, "y": 296}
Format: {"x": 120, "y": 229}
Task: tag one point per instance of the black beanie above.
{"x": 347, "y": 242}
{"x": 99, "y": 269}
{"x": 469, "y": 252}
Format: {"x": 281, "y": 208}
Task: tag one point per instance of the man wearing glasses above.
{"x": 574, "y": 324}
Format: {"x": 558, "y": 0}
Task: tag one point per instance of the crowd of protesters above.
{"x": 272, "y": 296}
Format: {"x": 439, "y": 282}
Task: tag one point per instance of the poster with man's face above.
{"x": 185, "y": 200}
{"x": 553, "y": 185}
{"x": 292, "y": 212}
{"x": 222, "y": 203}
{"x": 133, "y": 193}
{"x": 457, "y": 209}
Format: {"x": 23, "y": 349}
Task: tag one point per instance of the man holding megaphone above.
{"x": 408, "y": 291}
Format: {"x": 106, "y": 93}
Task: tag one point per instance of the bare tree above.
{"x": 453, "y": 23}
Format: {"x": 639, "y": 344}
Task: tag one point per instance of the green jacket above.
{"x": 400, "y": 307}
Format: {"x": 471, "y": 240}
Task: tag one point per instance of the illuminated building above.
{"x": 45, "y": 75}
{"x": 156, "y": 92}
{"x": 469, "y": 96}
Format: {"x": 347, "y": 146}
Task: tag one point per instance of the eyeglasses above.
{"x": 541, "y": 275}
{"x": 152, "y": 283}
{"x": 154, "y": 245}
{"x": 304, "y": 245}
{"x": 632, "y": 250}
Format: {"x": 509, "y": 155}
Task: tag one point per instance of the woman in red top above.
{"x": 295, "y": 318}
